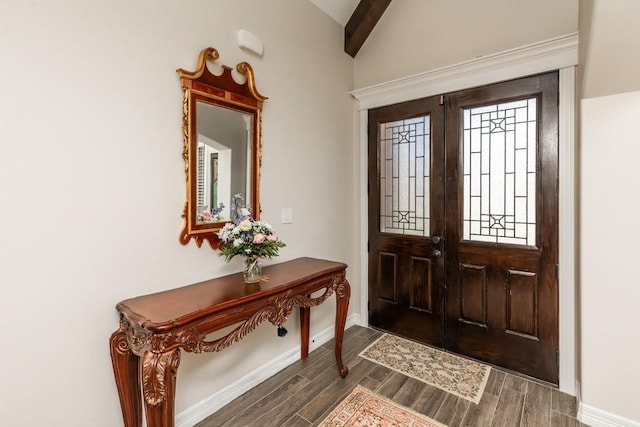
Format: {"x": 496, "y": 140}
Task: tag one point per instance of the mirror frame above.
{"x": 221, "y": 90}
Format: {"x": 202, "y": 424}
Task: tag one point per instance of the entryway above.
{"x": 463, "y": 222}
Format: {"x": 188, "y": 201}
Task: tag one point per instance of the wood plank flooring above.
{"x": 302, "y": 394}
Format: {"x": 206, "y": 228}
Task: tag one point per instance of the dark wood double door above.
{"x": 463, "y": 223}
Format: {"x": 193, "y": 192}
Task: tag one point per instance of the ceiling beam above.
{"x": 362, "y": 21}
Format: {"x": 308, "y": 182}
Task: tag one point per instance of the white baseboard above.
{"x": 598, "y": 418}
{"x": 201, "y": 410}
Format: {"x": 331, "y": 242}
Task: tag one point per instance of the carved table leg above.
{"x": 343, "y": 293}
{"x": 159, "y": 385}
{"x": 305, "y": 313}
{"x": 126, "y": 371}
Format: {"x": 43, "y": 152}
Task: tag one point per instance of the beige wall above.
{"x": 92, "y": 183}
{"x": 609, "y": 206}
{"x": 609, "y": 34}
{"x": 609, "y": 233}
{"x": 414, "y": 36}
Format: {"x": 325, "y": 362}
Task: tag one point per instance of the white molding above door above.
{"x": 535, "y": 58}
{"x": 560, "y": 53}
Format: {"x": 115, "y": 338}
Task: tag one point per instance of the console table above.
{"x": 153, "y": 328}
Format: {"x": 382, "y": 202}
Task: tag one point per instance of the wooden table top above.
{"x": 170, "y": 309}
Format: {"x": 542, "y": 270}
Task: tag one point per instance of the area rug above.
{"x": 456, "y": 375}
{"x": 363, "y": 408}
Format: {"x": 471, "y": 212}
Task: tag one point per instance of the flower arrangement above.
{"x": 248, "y": 237}
{"x": 215, "y": 215}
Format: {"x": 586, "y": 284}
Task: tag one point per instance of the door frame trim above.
{"x": 560, "y": 53}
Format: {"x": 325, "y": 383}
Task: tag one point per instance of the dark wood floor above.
{"x": 302, "y": 394}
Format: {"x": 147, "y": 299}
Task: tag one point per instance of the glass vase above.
{"x": 251, "y": 270}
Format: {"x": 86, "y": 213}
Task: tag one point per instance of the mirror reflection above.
{"x": 223, "y": 160}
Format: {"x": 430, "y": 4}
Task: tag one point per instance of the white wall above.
{"x": 414, "y": 36}
{"x": 609, "y": 232}
{"x": 92, "y": 183}
{"x": 609, "y": 206}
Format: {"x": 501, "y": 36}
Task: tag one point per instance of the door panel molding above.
{"x": 421, "y": 284}
{"x": 562, "y": 54}
{"x": 388, "y": 276}
{"x": 522, "y": 290}
{"x": 473, "y": 294}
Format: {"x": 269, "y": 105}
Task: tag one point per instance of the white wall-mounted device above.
{"x": 251, "y": 42}
{"x": 287, "y": 215}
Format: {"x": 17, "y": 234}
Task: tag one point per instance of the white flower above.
{"x": 225, "y": 232}
{"x": 237, "y": 242}
{"x": 245, "y": 225}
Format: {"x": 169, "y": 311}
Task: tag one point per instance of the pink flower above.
{"x": 272, "y": 238}
{"x": 258, "y": 238}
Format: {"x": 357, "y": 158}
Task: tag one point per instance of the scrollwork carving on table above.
{"x": 276, "y": 313}
{"x": 138, "y": 339}
{"x": 343, "y": 290}
{"x": 120, "y": 340}
{"x": 157, "y": 370}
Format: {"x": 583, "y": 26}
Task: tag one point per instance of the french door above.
{"x": 406, "y": 219}
{"x": 463, "y": 222}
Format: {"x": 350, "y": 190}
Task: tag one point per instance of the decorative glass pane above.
{"x": 404, "y": 176}
{"x": 499, "y": 164}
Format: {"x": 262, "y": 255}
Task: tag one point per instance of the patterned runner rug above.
{"x": 363, "y": 408}
{"x": 456, "y": 375}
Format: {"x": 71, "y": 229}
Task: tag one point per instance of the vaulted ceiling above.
{"x": 340, "y": 10}
{"x": 358, "y": 17}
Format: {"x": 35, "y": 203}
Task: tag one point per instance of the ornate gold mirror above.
{"x": 222, "y": 141}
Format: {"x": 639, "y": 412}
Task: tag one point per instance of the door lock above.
{"x": 436, "y": 239}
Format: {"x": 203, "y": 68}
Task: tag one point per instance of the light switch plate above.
{"x": 287, "y": 215}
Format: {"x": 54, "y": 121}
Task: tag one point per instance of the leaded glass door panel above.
{"x": 499, "y": 144}
{"x": 404, "y": 176}
{"x": 406, "y": 209}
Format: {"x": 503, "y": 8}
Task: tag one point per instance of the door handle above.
{"x": 436, "y": 254}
